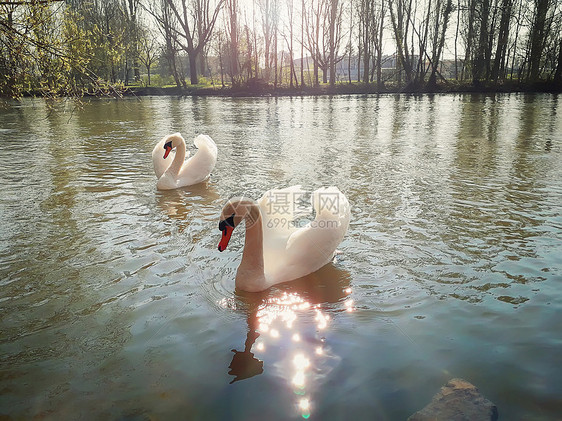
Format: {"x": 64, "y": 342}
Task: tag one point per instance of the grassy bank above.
{"x": 342, "y": 89}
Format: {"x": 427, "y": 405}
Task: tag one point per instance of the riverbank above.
{"x": 341, "y": 89}
{"x": 258, "y": 89}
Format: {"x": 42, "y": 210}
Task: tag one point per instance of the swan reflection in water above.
{"x": 179, "y": 203}
{"x": 280, "y": 328}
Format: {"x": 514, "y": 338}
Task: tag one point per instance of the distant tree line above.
{"x": 67, "y": 47}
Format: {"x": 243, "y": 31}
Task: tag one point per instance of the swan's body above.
{"x": 173, "y": 170}
{"x": 276, "y": 249}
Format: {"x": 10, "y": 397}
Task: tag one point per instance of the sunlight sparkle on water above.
{"x": 304, "y": 406}
{"x": 298, "y": 379}
{"x": 301, "y": 362}
{"x": 282, "y": 308}
{"x": 264, "y": 327}
{"x": 277, "y": 317}
{"x": 322, "y": 319}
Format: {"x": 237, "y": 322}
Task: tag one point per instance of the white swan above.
{"x": 276, "y": 249}
{"x": 173, "y": 170}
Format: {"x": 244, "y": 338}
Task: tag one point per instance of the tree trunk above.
{"x": 332, "y": 41}
{"x": 400, "y": 36}
{"x": 468, "y": 55}
{"x": 440, "y": 44}
{"x": 194, "y": 79}
{"x": 316, "y": 74}
{"x": 503, "y": 37}
{"x": 538, "y": 39}
{"x": 481, "y": 53}
{"x": 380, "y": 83}
{"x": 275, "y": 57}
{"x": 232, "y": 6}
{"x": 558, "y": 74}
{"x": 366, "y": 20}
{"x": 302, "y": 44}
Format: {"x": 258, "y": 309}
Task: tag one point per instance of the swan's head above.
{"x": 171, "y": 142}
{"x": 227, "y": 227}
{"x": 235, "y": 211}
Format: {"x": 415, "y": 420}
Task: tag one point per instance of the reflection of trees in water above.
{"x": 278, "y": 333}
{"x": 49, "y": 272}
{"x": 495, "y": 202}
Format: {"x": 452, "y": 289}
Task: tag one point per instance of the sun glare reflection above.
{"x": 298, "y": 379}
{"x": 301, "y": 362}
{"x": 304, "y": 406}
{"x": 303, "y": 354}
{"x": 321, "y": 319}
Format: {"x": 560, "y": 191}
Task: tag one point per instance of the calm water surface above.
{"x": 116, "y": 304}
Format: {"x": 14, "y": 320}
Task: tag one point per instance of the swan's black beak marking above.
{"x": 226, "y": 226}
{"x": 168, "y": 148}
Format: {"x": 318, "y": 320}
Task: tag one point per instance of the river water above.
{"x": 116, "y": 304}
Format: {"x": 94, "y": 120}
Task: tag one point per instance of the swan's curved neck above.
{"x": 179, "y": 158}
{"x": 250, "y": 275}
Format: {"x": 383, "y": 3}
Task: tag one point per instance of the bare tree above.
{"x": 191, "y": 28}
{"x": 335, "y": 36}
{"x": 378, "y": 29}
{"x": 166, "y": 23}
{"x": 443, "y": 11}
{"x": 289, "y": 41}
{"x": 482, "y": 54}
{"x": 269, "y": 10}
{"x": 302, "y": 42}
{"x": 366, "y": 21}
{"x": 130, "y": 10}
{"x": 232, "y": 30}
{"x": 316, "y": 37}
{"x": 149, "y": 48}
{"x": 401, "y": 18}
{"x": 539, "y": 33}
{"x": 503, "y": 38}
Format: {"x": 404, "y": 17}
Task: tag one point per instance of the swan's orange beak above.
{"x": 168, "y": 148}
{"x": 227, "y": 227}
{"x": 226, "y": 234}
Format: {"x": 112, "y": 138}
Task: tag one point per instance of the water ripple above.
{"x": 451, "y": 263}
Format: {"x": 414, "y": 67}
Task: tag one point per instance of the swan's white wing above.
{"x": 330, "y": 204}
{"x": 279, "y": 208}
{"x": 309, "y": 248}
{"x": 198, "y": 168}
{"x": 161, "y": 164}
